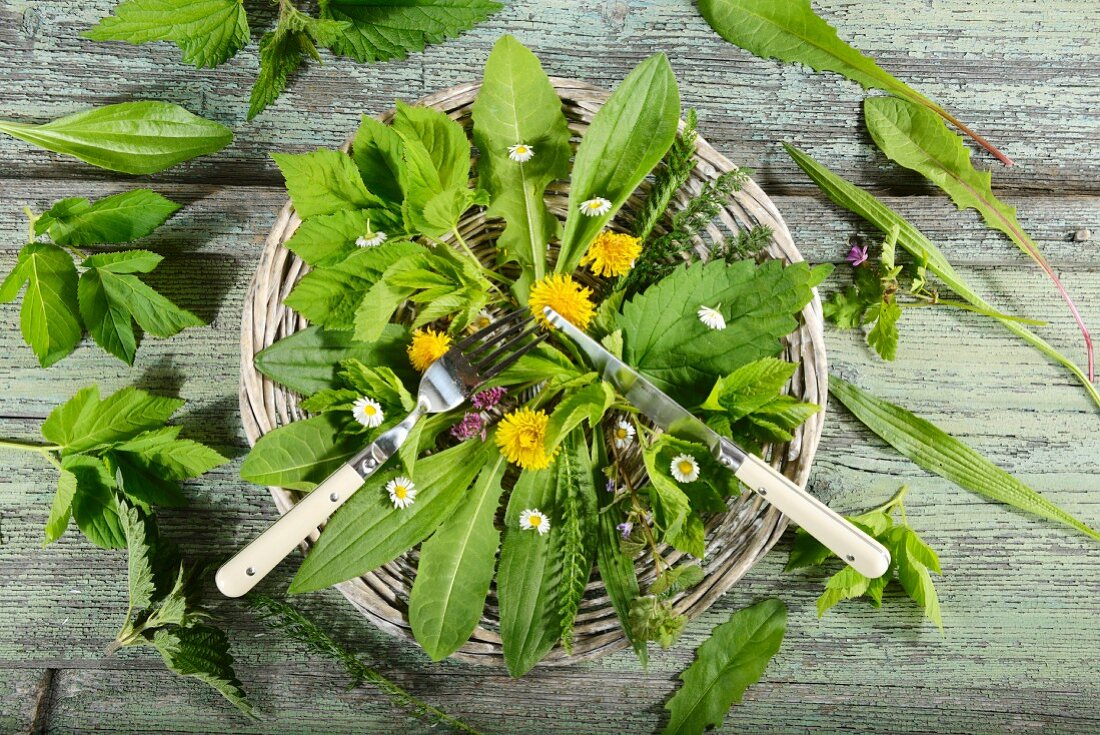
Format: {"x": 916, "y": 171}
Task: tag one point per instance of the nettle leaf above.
{"x": 323, "y": 182}
{"x": 120, "y": 218}
{"x": 369, "y": 531}
{"x": 85, "y": 423}
{"x": 390, "y": 29}
{"x": 626, "y": 139}
{"x": 172, "y": 457}
{"x": 282, "y": 51}
{"x": 791, "y": 31}
{"x": 306, "y": 361}
{"x": 49, "y": 315}
{"x": 110, "y": 297}
{"x": 517, "y": 104}
{"x": 733, "y": 658}
{"x": 664, "y": 338}
{"x": 301, "y": 454}
{"x": 208, "y": 32}
{"x": 138, "y": 563}
{"x": 938, "y": 452}
{"x": 131, "y": 137}
{"x": 456, "y": 567}
{"x": 202, "y": 652}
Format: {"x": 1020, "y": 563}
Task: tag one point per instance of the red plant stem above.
{"x": 977, "y": 138}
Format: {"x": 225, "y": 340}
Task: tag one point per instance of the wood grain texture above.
{"x": 1020, "y": 597}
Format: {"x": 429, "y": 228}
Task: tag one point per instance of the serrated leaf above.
{"x": 664, "y": 338}
{"x": 95, "y": 506}
{"x": 914, "y": 561}
{"x": 378, "y": 152}
{"x": 791, "y": 31}
{"x": 456, "y": 567}
{"x": 844, "y": 585}
{"x": 518, "y": 104}
{"x": 143, "y": 485}
{"x": 624, "y": 142}
{"x": 672, "y": 513}
{"x": 369, "y": 531}
{"x": 208, "y": 32}
{"x": 301, "y": 454}
{"x": 938, "y": 452}
{"x": 618, "y": 575}
{"x": 444, "y": 140}
{"x": 575, "y": 544}
{"x": 202, "y": 652}
{"x": 323, "y": 182}
{"x": 85, "y": 422}
{"x": 883, "y": 336}
{"x": 139, "y": 566}
{"x": 329, "y": 239}
{"x": 61, "y": 507}
{"x": 282, "y": 51}
{"x": 390, "y": 29}
{"x": 115, "y": 219}
{"x": 172, "y": 457}
{"x": 726, "y": 664}
{"x": 131, "y": 137}
{"x": 590, "y": 403}
{"x": 48, "y": 317}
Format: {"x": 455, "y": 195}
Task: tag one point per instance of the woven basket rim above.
{"x": 382, "y": 594}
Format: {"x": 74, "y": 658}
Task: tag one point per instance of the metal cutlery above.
{"x": 862, "y": 552}
{"x": 446, "y": 384}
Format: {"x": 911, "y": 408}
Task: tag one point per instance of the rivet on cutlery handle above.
{"x": 867, "y": 556}
{"x": 252, "y": 563}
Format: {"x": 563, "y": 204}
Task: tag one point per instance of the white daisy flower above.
{"x": 482, "y": 320}
{"x": 534, "y": 519}
{"x": 684, "y": 468}
{"x": 367, "y": 412}
{"x": 371, "y": 239}
{"x": 712, "y": 317}
{"x": 623, "y": 433}
{"x": 402, "y": 492}
{"x": 595, "y": 207}
{"x": 521, "y": 152}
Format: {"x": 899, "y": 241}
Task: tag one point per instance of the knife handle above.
{"x": 867, "y": 556}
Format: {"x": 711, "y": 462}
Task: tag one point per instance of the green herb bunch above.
{"x": 394, "y": 280}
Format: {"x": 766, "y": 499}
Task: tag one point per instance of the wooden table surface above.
{"x": 1020, "y": 597}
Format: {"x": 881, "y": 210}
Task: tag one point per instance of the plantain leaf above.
{"x": 517, "y": 104}
{"x": 940, "y": 453}
{"x": 726, "y": 664}
{"x": 791, "y": 31}
{"x": 627, "y": 138}
{"x": 456, "y": 567}
{"x": 300, "y": 454}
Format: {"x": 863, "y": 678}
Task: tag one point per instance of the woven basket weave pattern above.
{"x": 735, "y": 540}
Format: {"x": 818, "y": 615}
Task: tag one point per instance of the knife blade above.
{"x": 867, "y": 556}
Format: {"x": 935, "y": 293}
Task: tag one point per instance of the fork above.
{"x": 447, "y": 384}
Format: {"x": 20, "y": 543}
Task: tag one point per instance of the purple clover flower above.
{"x": 471, "y": 425}
{"x": 610, "y": 486}
{"x": 857, "y": 256}
{"x": 487, "y": 398}
{"x": 625, "y": 528}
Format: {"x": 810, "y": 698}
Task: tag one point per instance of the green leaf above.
{"x": 915, "y": 138}
{"x": 301, "y": 454}
{"x": 791, "y": 31}
{"x": 329, "y": 239}
{"x": 915, "y": 560}
{"x": 673, "y": 581}
{"x": 61, "y": 508}
{"x": 883, "y": 336}
{"x": 369, "y": 532}
{"x": 444, "y": 140}
{"x": 518, "y": 104}
{"x": 378, "y": 152}
{"x": 120, "y": 218}
{"x": 131, "y": 137}
{"x": 587, "y": 404}
{"x": 95, "y": 506}
{"x": 323, "y": 182}
{"x": 306, "y": 361}
{"x": 664, "y": 338}
{"x": 575, "y": 544}
{"x": 282, "y": 51}
{"x": 138, "y": 552}
{"x": 143, "y": 485}
{"x": 456, "y": 567}
{"x": 208, "y": 32}
{"x": 940, "y": 453}
{"x": 202, "y": 652}
{"x": 672, "y": 513}
{"x": 172, "y": 457}
{"x": 726, "y": 664}
{"x": 844, "y": 585}
{"x": 618, "y": 575}
{"x": 390, "y": 29}
{"x": 48, "y": 317}
{"x": 85, "y": 422}
{"x": 854, "y": 199}
{"x": 626, "y": 139}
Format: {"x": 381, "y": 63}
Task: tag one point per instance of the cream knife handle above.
{"x": 252, "y": 563}
{"x": 867, "y": 556}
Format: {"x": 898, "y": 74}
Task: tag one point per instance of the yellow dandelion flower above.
{"x": 427, "y": 346}
{"x": 521, "y": 436}
{"x": 565, "y": 296}
{"x": 612, "y": 253}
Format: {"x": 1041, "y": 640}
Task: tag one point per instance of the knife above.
{"x": 863, "y": 553}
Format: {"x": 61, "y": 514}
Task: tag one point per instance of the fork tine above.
{"x": 476, "y": 353}
{"x": 490, "y": 360}
{"x": 486, "y": 331}
{"x": 507, "y": 362}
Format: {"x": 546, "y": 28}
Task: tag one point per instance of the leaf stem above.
{"x": 959, "y": 124}
{"x": 28, "y": 446}
{"x": 927, "y": 300}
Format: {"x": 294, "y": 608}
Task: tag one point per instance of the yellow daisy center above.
{"x": 535, "y": 520}
{"x": 686, "y": 468}
{"x": 565, "y": 296}
{"x": 521, "y": 436}
{"x": 427, "y": 346}
{"x": 621, "y": 433}
{"x": 400, "y": 492}
{"x": 369, "y": 410}
{"x": 612, "y": 254}
{"x": 593, "y": 205}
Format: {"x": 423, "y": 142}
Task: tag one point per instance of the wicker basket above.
{"x": 735, "y": 540}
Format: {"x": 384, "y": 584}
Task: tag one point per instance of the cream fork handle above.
{"x": 867, "y": 556}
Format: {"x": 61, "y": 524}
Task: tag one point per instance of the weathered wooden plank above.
{"x": 1022, "y": 74}
{"x": 24, "y": 698}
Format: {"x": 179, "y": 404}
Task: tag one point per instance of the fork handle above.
{"x": 867, "y": 556}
